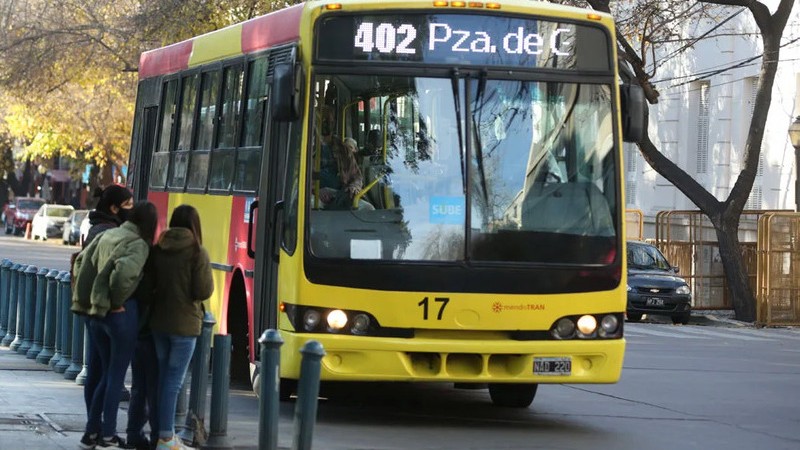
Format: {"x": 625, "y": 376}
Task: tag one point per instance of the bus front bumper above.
{"x": 351, "y": 358}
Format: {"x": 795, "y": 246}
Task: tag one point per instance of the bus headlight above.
{"x": 609, "y": 324}
{"x": 565, "y": 328}
{"x": 311, "y": 319}
{"x": 337, "y": 319}
{"x": 360, "y": 324}
{"x": 587, "y": 325}
{"x": 317, "y": 319}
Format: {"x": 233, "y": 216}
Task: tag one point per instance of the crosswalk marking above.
{"x": 649, "y": 331}
{"x": 694, "y": 332}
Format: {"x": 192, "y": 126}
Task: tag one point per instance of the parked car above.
{"x": 49, "y": 221}
{"x": 72, "y": 227}
{"x": 654, "y": 288}
{"x": 19, "y": 213}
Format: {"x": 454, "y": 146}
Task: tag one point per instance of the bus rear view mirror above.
{"x": 286, "y": 82}
{"x": 633, "y": 113}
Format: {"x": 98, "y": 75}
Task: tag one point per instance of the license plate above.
{"x": 652, "y": 301}
{"x": 552, "y": 366}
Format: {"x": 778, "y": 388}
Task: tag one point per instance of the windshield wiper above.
{"x": 457, "y": 103}
{"x": 478, "y": 144}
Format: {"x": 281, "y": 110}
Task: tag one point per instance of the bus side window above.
{"x": 224, "y": 153}
{"x": 160, "y": 162}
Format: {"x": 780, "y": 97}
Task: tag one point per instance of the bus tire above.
{"x": 287, "y": 388}
{"x": 237, "y": 328}
{"x": 509, "y": 395}
{"x": 634, "y": 317}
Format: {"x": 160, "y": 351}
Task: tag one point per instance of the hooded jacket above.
{"x": 99, "y": 222}
{"x": 108, "y": 271}
{"x": 182, "y": 281}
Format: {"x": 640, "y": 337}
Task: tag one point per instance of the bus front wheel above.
{"x": 512, "y": 395}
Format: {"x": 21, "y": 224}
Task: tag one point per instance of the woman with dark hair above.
{"x": 107, "y": 275}
{"x": 182, "y": 281}
{"x": 113, "y": 205}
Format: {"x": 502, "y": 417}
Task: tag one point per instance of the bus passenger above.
{"x": 105, "y": 288}
{"x": 340, "y": 176}
{"x": 182, "y": 282}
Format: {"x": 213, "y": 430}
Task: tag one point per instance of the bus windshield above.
{"x": 462, "y": 169}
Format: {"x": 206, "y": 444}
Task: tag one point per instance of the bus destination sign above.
{"x": 460, "y": 39}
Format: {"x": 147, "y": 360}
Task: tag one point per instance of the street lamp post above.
{"x": 794, "y": 136}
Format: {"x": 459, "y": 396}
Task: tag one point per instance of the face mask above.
{"x": 122, "y": 214}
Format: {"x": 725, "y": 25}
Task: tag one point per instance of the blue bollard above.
{"x": 194, "y": 430}
{"x": 269, "y": 390}
{"x": 20, "y": 315}
{"x": 59, "y": 342}
{"x": 5, "y": 280}
{"x": 38, "y": 316}
{"x": 66, "y": 316}
{"x": 305, "y": 411}
{"x": 76, "y": 364}
{"x": 49, "y": 341}
{"x": 220, "y": 386}
{"x": 30, "y": 310}
{"x": 11, "y": 316}
{"x": 80, "y": 380}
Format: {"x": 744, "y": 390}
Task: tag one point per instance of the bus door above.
{"x": 268, "y": 210}
{"x": 144, "y": 140}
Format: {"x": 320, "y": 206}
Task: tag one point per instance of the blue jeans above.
{"x": 113, "y": 338}
{"x": 144, "y": 390}
{"x": 174, "y": 353}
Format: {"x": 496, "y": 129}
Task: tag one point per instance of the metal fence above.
{"x": 778, "y": 275}
{"x": 634, "y": 224}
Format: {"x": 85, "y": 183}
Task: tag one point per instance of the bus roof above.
{"x": 283, "y": 26}
{"x": 262, "y": 32}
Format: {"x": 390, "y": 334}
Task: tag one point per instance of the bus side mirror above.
{"x": 285, "y": 95}
{"x": 633, "y": 113}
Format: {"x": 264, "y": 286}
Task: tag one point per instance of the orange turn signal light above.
{"x": 594, "y": 16}
{"x": 333, "y": 6}
{"x": 458, "y": 4}
{"x": 439, "y": 4}
{"x": 493, "y": 5}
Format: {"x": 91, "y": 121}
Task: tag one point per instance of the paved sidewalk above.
{"x": 40, "y": 410}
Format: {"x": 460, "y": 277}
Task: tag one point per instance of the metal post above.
{"x": 76, "y": 364}
{"x": 269, "y": 390}
{"x": 5, "y": 278}
{"x": 80, "y": 380}
{"x": 66, "y": 328}
{"x": 11, "y": 325}
{"x": 38, "y": 326}
{"x": 305, "y": 411}
{"x": 797, "y": 179}
{"x": 194, "y": 431}
{"x": 220, "y": 384}
{"x": 49, "y": 341}
{"x": 30, "y": 310}
{"x": 59, "y": 341}
{"x": 20, "y": 316}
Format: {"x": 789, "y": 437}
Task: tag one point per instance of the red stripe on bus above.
{"x": 161, "y": 200}
{"x": 275, "y": 28}
{"x": 165, "y": 60}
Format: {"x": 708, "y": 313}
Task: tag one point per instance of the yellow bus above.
{"x": 430, "y": 189}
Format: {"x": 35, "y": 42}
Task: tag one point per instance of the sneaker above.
{"x": 140, "y": 443}
{"x": 88, "y": 441}
{"x": 112, "y": 442}
{"x": 172, "y": 444}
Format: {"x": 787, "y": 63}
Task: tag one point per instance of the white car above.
{"x": 49, "y": 221}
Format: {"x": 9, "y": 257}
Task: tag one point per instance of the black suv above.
{"x": 654, "y": 287}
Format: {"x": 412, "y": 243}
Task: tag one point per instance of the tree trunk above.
{"x": 727, "y": 229}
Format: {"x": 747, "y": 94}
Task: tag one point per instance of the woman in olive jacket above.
{"x": 182, "y": 281}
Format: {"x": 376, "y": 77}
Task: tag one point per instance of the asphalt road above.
{"x": 683, "y": 387}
